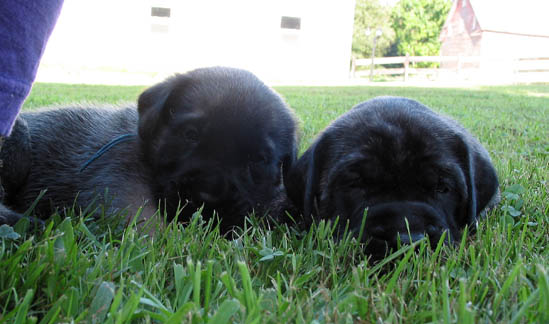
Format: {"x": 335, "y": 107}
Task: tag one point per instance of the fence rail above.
{"x": 518, "y": 68}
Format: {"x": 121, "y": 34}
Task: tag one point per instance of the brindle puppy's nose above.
{"x": 208, "y": 197}
{"x": 208, "y": 186}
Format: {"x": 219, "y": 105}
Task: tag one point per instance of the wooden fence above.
{"x": 521, "y": 69}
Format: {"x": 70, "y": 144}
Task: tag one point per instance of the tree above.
{"x": 371, "y": 14}
{"x": 417, "y": 24}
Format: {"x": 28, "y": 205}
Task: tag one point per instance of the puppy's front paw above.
{"x": 9, "y": 217}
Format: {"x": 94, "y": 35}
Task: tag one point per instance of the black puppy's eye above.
{"x": 442, "y": 187}
{"x": 190, "y": 134}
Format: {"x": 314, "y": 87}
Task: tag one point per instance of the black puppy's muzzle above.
{"x": 406, "y": 222}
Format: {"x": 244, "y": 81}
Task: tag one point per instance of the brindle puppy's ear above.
{"x": 480, "y": 177}
{"x": 150, "y": 107}
{"x": 303, "y": 180}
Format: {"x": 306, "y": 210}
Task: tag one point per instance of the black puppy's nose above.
{"x": 406, "y": 238}
{"x": 405, "y": 221}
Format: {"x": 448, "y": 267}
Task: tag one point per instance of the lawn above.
{"x": 79, "y": 270}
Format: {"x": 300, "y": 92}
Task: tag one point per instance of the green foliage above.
{"x": 370, "y": 14}
{"x": 417, "y": 24}
{"x": 79, "y": 269}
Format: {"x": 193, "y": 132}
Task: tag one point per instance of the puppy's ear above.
{"x": 150, "y": 107}
{"x": 302, "y": 181}
{"x": 288, "y": 162}
{"x": 481, "y": 178}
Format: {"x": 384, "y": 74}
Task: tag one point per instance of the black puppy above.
{"x": 417, "y": 173}
{"x": 214, "y": 137}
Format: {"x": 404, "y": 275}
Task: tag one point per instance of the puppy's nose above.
{"x": 407, "y": 221}
{"x": 208, "y": 187}
{"x": 208, "y": 197}
{"x": 406, "y": 238}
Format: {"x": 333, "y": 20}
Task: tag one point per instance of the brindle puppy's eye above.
{"x": 261, "y": 160}
{"x": 258, "y": 162}
{"x": 354, "y": 180}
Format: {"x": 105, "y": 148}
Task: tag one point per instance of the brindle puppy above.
{"x": 214, "y": 137}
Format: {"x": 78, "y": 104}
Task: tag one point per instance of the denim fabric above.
{"x": 25, "y": 26}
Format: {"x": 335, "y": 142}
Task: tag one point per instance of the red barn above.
{"x": 498, "y": 31}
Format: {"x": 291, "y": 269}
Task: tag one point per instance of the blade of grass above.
{"x": 226, "y": 310}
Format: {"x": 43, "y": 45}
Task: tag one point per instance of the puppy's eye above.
{"x": 190, "y": 134}
{"x": 260, "y": 160}
{"x": 442, "y": 188}
{"x": 354, "y": 180}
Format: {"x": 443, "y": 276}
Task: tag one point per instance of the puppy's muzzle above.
{"x": 216, "y": 187}
{"x": 206, "y": 186}
{"x": 406, "y": 222}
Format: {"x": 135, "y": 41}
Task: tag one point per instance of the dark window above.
{"x": 290, "y": 22}
{"x": 160, "y": 12}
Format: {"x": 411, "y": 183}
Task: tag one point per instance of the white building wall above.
{"x": 500, "y": 53}
{"x": 512, "y": 45}
{"x": 121, "y": 35}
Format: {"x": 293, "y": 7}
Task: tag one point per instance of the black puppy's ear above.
{"x": 302, "y": 182}
{"x": 150, "y": 105}
{"x": 481, "y": 178}
{"x": 288, "y": 162}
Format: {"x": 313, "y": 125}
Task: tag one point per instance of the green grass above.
{"x": 78, "y": 270}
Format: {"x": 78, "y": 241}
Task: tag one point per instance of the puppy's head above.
{"x": 417, "y": 173}
{"x": 217, "y": 138}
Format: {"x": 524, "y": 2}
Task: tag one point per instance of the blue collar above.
{"x": 108, "y": 146}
